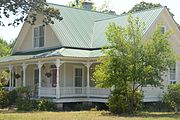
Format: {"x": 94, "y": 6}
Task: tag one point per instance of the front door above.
{"x": 54, "y": 77}
{"x": 78, "y": 77}
{"x": 36, "y": 81}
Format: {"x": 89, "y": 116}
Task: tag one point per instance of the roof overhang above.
{"x": 62, "y": 53}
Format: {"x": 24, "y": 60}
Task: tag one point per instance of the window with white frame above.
{"x": 78, "y": 77}
{"x": 172, "y": 76}
{"x": 38, "y": 36}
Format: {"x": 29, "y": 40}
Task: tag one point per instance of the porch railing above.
{"x": 9, "y": 88}
{"x": 75, "y": 92}
{"x": 99, "y": 92}
{"x": 47, "y": 92}
{"x": 152, "y": 94}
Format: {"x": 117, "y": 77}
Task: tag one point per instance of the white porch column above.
{"x": 88, "y": 64}
{"x": 58, "y": 64}
{"x": 10, "y": 77}
{"x": 24, "y": 66}
{"x": 16, "y": 78}
{"x": 39, "y": 67}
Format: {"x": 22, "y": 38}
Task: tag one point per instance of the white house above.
{"x": 57, "y": 61}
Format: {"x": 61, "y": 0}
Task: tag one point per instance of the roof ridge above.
{"x": 125, "y": 14}
{"x": 81, "y": 9}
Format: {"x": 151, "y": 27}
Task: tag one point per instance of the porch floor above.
{"x": 70, "y": 100}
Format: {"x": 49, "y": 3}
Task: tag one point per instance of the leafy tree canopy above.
{"x": 172, "y": 96}
{"x": 143, "y": 6}
{"x": 104, "y": 7}
{"x": 5, "y": 48}
{"x": 19, "y": 9}
{"x": 131, "y": 61}
{"x": 79, "y": 4}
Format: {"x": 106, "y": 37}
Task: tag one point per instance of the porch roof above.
{"x": 15, "y": 58}
{"x": 61, "y": 52}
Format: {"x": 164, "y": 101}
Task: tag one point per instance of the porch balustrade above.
{"x": 67, "y": 92}
{"x": 48, "y": 92}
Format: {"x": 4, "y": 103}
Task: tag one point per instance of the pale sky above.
{"x": 10, "y": 33}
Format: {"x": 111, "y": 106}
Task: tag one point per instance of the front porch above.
{"x": 75, "y": 92}
{"x": 59, "y": 79}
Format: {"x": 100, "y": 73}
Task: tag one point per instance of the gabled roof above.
{"x": 86, "y": 29}
{"x": 147, "y": 16}
{"x": 76, "y": 28}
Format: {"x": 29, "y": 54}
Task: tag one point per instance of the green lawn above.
{"x": 84, "y": 115}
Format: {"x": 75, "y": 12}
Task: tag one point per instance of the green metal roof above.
{"x": 82, "y": 32}
{"x": 15, "y": 58}
{"x": 76, "y": 28}
{"x": 147, "y": 17}
{"x": 68, "y": 52}
{"x": 86, "y": 29}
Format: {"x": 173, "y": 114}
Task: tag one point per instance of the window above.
{"x": 78, "y": 77}
{"x": 172, "y": 74}
{"x": 38, "y": 36}
{"x": 53, "y": 77}
{"x": 163, "y": 29}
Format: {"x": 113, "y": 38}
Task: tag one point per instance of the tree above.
{"x": 131, "y": 62}
{"x": 79, "y": 4}
{"x": 143, "y": 6}
{"x": 106, "y": 9}
{"x": 19, "y": 9}
{"x": 76, "y": 4}
{"x": 5, "y": 48}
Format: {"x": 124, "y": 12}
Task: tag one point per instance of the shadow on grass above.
{"x": 154, "y": 115}
{"x": 11, "y": 111}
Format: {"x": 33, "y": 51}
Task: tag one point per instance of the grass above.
{"x": 83, "y": 115}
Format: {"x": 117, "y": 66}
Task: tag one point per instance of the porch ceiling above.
{"x": 61, "y": 52}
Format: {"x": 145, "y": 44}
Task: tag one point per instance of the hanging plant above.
{"x": 48, "y": 75}
{"x": 17, "y": 76}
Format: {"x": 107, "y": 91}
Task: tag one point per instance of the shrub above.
{"x": 23, "y": 101}
{"x": 45, "y": 105}
{"x": 24, "y": 92}
{"x": 1, "y": 87}
{"x": 12, "y": 96}
{"x": 121, "y": 102}
{"x": 172, "y": 96}
{"x": 4, "y": 102}
{"x": 25, "y": 104}
{"x": 156, "y": 107}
